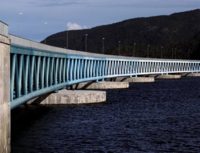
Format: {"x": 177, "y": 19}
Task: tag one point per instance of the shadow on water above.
{"x": 26, "y": 116}
{"x": 23, "y": 117}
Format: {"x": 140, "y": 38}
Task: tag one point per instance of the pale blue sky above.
{"x": 60, "y": 14}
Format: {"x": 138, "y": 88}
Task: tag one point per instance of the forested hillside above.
{"x": 173, "y": 36}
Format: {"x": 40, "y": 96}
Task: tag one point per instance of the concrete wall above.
{"x": 3, "y": 29}
{"x": 4, "y": 90}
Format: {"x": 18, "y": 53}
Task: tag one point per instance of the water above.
{"x": 155, "y": 117}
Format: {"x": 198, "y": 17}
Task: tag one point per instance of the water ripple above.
{"x": 156, "y": 117}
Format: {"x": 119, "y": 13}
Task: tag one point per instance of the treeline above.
{"x": 184, "y": 50}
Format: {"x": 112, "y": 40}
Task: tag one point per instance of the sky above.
{"x": 60, "y": 15}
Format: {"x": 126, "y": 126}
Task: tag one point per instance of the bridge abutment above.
{"x": 4, "y": 94}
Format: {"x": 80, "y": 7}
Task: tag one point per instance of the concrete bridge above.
{"x": 29, "y": 69}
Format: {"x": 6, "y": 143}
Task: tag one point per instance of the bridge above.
{"x": 29, "y": 69}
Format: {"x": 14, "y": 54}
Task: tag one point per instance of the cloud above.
{"x": 75, "y": 26}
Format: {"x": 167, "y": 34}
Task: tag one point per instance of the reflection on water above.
{"x": 155, "y": 117}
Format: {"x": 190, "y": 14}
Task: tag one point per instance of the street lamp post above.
{"x": 172, "y": 52}
{"x": 86, "y": 42}
{"x": 119, "y": 47}
{"x": 134, "y": 49}
{"x": 103, "y": 46}
{"x": 148, "y": 51}
{"x": 161, "y": 52}
{"x": 67, "y": 39}
{"x": 175, "y": 54}
{"x": 45, "y": 31}
{"x": 20, "y": 23}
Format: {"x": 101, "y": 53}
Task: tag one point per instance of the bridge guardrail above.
{"x": 35, "y": 72}
{"x": 37, "y": 68}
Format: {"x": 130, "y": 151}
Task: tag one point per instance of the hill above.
{"x": 173, "y": 36}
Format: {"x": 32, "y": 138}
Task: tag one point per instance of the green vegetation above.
{"x": 174, "y": 36}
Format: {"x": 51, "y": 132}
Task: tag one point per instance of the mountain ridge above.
{"x": 178, "y": 33}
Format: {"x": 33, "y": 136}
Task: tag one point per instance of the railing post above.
{"x": 5, "y": 90}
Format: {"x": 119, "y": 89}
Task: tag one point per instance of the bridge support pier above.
{"x": 133, "y": 79}
{"x": 166, "y": 76}
{"x": 5, "y": 95}
{"x": 190, "y": 74}
{"x": 70, "y": 97}
{"x": 100, "y": 85}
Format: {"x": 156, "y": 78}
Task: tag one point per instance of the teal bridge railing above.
{"x": 37, "y": 69}
{"x": 35, "y": 72}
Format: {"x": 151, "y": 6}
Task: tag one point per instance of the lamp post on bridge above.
{"x": 148, "y": 51}
{"x": 175, "y": 54}
{"x": 67, "y": 39}
{"x": 119, "y": 47}
{"x": 86, "y": 42}
{"x": 45, "y": 26}
{"x": 161, "y": 52}
{"x": 20, "y": 14}
{"x": 103, "y": 45}
{"x": 134, "y": 49}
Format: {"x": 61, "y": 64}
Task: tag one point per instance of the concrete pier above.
{"x": 134, "y": 79}
{"x": 101, "y": 85}
{"x": 71, "y": 97}
{"x": 172, "y": 76}
{"x": 190, "y": 74}
{"x": 5, "y": 95}
{"x": 167, "y": 76}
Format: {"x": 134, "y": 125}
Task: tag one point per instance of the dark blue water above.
{"x": 155, "y": 117}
